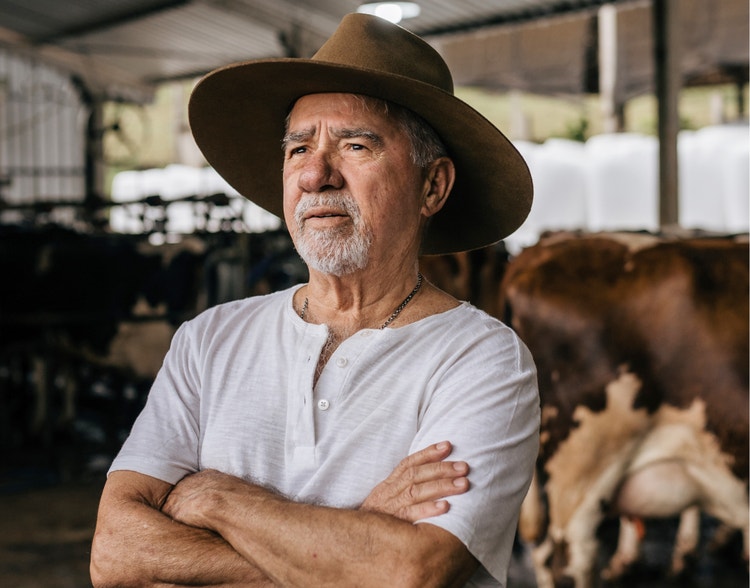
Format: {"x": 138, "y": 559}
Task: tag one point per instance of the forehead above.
{"x": 341, "y": 107}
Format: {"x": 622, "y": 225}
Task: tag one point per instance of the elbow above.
{"x": 424, "y": 576}
{"x": 98, "y": 575}
{"x": 431, "y": 573}
{"x": 418, "y": 578}
{"x": 105, "y": 569}
{"x": 442, "y": 562}
{"x": 100, "y": 565}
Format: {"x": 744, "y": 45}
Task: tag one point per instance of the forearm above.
{"x": 137, "y": 545}
{"x": 303, "y": 545}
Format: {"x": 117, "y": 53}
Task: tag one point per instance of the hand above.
{"x": 418, "y": 486}
{"x": 192, "y": 498}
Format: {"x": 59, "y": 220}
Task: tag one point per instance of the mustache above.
{"x": 333, "y": 200}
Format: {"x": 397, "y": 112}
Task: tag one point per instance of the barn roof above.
{"x": 125, "y": 48}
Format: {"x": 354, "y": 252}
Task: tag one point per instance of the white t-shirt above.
{"x": 235, "y": 394}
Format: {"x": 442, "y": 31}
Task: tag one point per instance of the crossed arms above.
{"x": 212, "y": 529}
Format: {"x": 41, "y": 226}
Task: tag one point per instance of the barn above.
{"x": 105, "y": 255}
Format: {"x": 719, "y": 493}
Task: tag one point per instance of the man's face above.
{"x": 352, "y": 195}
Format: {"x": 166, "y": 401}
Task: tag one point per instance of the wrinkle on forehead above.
{"x": 337, "y": 133}
{"x": 365, "y": 104}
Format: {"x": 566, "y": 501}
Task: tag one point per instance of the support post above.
{"x": 667, "y": 49}
{"x": 609, "y": 78}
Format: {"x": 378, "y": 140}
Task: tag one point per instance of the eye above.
{"x": 362, "y": 140}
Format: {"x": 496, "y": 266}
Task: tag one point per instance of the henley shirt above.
{"x": 235, "y": 394}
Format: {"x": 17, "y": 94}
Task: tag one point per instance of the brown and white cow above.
{"x": 642, "y": 350}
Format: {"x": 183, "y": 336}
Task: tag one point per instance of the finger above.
{"x": 429, "y": 472}
{"x": 434, "y": 503}
{"x": 437, "y": 489}
{"x": 402, "y": 480}
{"x": 403, "y": 488}
{"x": 430, "y": 454}
{"x": 402, "y": 483}
{"x": 424, "y": 510}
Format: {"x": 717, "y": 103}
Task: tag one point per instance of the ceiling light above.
{"x": 392, "y": 11}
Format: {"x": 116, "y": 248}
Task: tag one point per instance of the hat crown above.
{"x": 369, "y": 42}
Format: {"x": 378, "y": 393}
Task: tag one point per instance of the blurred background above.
{"x": 631, "y": 114}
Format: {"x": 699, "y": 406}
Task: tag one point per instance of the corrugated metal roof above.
{"x": 121, "y": 45}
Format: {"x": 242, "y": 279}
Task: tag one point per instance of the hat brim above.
{"x": 237, "y": 116}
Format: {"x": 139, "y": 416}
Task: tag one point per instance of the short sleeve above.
{"x": 487, "y": 404}
{"x": 164, "y": 440}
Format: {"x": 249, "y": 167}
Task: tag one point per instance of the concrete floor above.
{"x": 45, "y": 535}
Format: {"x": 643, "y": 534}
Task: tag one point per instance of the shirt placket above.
{"x": 300, "y": 430}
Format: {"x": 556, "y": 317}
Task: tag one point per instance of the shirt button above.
{"x": 323, "y": 404}
{"x": 341, "y": 362}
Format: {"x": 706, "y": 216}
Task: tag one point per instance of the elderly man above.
{"x": 303, "y": 438}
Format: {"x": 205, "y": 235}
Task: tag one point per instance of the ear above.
{"x": 439, "y": 180}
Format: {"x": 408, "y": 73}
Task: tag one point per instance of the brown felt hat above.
{"x": 237, "y": 115}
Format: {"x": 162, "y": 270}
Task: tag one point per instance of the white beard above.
{"x": 337, "y": 251}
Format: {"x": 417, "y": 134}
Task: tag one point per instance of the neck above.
{"x": 350, "y": 303}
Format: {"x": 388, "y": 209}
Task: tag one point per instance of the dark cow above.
{"x": 642, "y": 350}
{"x": 61, "y": 281}
{"x": 86, "y": 318}
{"x": 474, "y": 276}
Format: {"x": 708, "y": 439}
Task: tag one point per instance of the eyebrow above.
{"x": 371, "y": 136}
{"x": 296, "y": 137}
{"x": 345, "y": 133}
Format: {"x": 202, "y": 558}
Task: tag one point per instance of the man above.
{"x": 301, "y": 438}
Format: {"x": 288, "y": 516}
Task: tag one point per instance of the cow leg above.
{"x": 40, "y": 379}
{"x": 686, "y": 540}
{"x": 726, "y": 499}
{"x": 561, "y": 561}
{"x": 628, "y": 548}
{"x": 631, "y": 535}
{"x": 68, "y": 412}
{"x": 567, "y": 556}
{"x": 541, "y": 557}
{"x": 582, "y": 547}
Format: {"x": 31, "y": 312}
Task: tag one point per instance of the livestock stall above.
{"x": 85, "y": 319}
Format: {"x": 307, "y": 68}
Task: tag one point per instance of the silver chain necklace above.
{"x": 391, "y": 318}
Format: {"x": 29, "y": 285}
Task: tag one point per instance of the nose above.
{"x": 320, "y": 173}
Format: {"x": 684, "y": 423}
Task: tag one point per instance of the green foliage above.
{"x": 577, "y": 130}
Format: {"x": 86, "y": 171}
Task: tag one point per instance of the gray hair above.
{"x": 426, "y": 145}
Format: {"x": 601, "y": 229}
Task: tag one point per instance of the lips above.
{"x": 326, "y": 207}
{"x": 324, "y": 213}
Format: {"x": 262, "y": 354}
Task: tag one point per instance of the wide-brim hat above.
{"x": 237, "y": 115}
